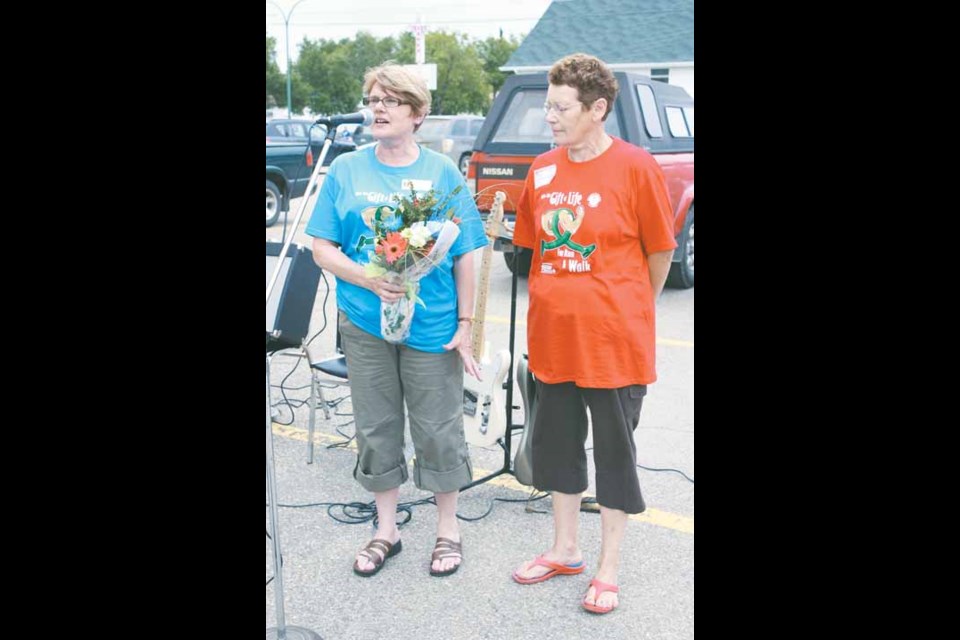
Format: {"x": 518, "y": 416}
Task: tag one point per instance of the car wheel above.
{"x": 523, "y": 258}
{"x": 464, "y": 163}
{"x": 273, "y": 203}
{"x": 681, "y": 273}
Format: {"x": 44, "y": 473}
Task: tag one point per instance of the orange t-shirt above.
{"x": 591, "y": 226}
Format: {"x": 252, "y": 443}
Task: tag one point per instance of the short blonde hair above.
{"x": 407, "y": 85}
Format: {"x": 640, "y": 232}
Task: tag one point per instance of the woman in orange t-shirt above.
{"x": 596, "y": 213}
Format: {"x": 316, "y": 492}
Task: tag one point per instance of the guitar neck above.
{"x": 483, "y": 286}
{"x": 480, "y": 307}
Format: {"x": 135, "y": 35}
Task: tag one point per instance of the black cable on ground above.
{"x": 362, "y": 512}
{"x": 689, "y": 479}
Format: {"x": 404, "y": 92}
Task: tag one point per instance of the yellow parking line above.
{"x": 664, "y": 519}
{"x": 295, "y": 433}
{"x": 652, "y": 516}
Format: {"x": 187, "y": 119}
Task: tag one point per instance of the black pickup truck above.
{"x": 289, "y": 166}
{"x": 295, "y": 130}
{"x": 290, "y": 162}
{"x": 655, "y": 116}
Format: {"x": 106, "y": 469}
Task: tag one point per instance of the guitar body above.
{"x": 484, "y": 417}
{"x": 523, "y": 462}
{"x": 484, "y": 413}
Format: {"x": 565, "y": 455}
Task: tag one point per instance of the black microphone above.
{"x": 364, "y": 117}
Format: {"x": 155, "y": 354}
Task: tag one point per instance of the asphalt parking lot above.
{"x": 501, "y": 527}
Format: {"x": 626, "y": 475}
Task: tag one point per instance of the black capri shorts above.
{"x": 560, "y": 432}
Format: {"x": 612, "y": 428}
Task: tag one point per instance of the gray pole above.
{"x": 286, "y": 37}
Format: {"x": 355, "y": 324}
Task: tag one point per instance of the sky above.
{"x": 337, "y": 19}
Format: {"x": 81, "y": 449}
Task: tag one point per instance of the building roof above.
{"x": 616, "y": 31}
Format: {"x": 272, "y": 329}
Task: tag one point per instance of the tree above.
{"x": 334, "y": 70}
{"x": 325, "y": 66}
{"x": 300, "y": 91}
{"x": 368, "y": 52}
{"x": 461, "y": 84}
{"x": 328, "y": 75}
{"x": 494, "y": 52}
{"x": 276, "y": 82}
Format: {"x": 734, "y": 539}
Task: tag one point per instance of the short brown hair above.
{"x": 589, "y": 75}
{"x": 409, "y": 86}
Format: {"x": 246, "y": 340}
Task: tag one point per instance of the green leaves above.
{"x": 412, "y": 289}
{"x": 328, "y": 74}
{"x": 373, "y": 270}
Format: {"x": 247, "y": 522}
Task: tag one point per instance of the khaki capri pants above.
{"x": 382, "y": 377}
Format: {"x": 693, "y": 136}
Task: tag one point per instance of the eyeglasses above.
{"x": 557, "y": 108}
{"x": 389, "y": 102}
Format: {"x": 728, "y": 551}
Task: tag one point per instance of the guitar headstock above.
{"x": 496, "y": 210}
{"x": 495, "y": 226}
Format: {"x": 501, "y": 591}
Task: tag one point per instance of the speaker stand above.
{"x": 281, "y": 631}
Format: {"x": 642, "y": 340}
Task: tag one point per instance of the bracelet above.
{"x": 464, "y": 318}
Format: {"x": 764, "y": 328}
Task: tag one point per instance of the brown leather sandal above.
{"x": 446, "y": 548}
{"x": 377, "y": 551}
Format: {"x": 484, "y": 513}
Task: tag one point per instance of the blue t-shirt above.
{"x": 357, "y": 181}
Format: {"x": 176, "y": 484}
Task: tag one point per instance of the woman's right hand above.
{"x": 386, "y": 291}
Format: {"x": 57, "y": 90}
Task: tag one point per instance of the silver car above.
{"x": 452, "y": 136}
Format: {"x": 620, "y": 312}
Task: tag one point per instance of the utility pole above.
{"x": 286, "y": 39}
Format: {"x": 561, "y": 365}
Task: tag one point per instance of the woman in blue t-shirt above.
{"x": 425, "y": 371}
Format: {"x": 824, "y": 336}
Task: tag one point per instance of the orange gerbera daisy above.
{"x": 394, "y": 246}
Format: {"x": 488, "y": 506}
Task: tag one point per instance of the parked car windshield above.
{"x": 524, "y": 120}
{"x": 295, "y": 129}
{"x": 434, "y": 127}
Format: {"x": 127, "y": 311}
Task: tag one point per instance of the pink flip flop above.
{"x": 555, "y": 570}
{"x": 601, "y": 587}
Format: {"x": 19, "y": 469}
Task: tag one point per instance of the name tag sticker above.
{"x": 544, "y": 175}
{"x": 416, "y": 185}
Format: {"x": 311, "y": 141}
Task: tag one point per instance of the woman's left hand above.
{"x": 461, "y": 342}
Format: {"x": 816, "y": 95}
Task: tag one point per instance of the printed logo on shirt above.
{"x": 369, "y": 242}
{"x": 593, "y": 200}
{"x": 372, "y": 196}
{"x": 544, "y": 175}
{"x": 557, "y": 198}
{"x": 377, "y": 197}
{"x": 562, "y": 223}
{"x": 547, "y": 268}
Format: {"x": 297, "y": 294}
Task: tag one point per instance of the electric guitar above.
{"x": 484, "y": 415}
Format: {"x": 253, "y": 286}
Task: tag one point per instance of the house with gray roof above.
{"x": 653, "y": 37}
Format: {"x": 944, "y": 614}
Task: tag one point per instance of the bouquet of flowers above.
{"x": 410, "y": 240}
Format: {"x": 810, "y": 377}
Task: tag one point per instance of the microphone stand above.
{"x": 282, "y": 631}
{"x": 331, "y": 132}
